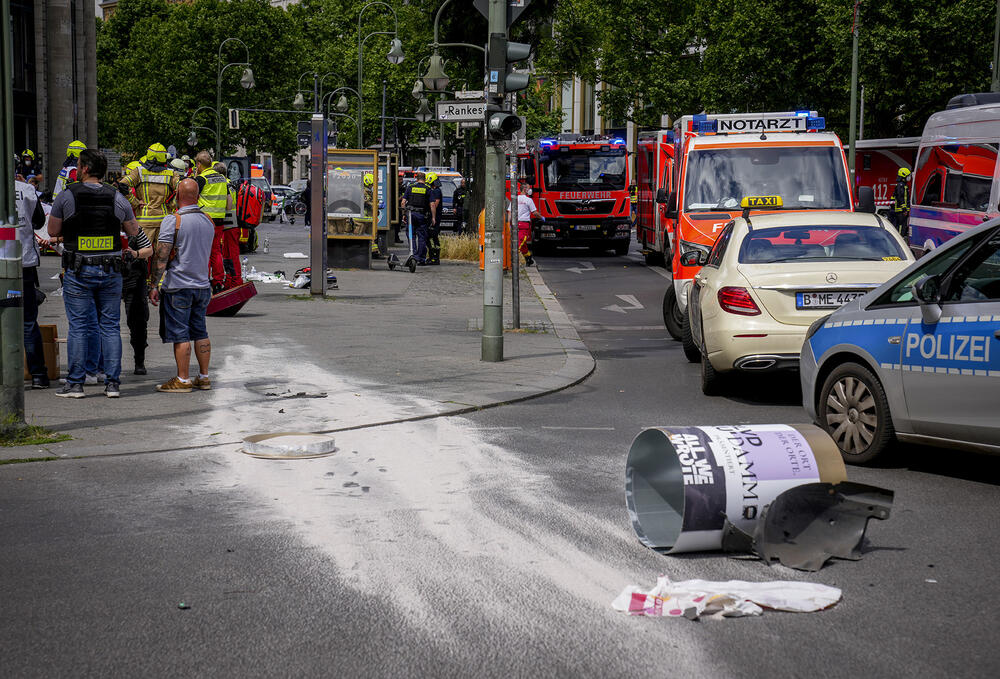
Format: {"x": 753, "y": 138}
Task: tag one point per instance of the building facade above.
{"x": 55, "y": 78}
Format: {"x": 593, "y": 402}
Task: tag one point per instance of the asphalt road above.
{"x": 490, "y": 545}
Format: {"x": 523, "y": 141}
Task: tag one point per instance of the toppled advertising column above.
{"x": 683, "y": 483}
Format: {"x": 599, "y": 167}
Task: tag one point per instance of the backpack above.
{"x": 249, "y": 205}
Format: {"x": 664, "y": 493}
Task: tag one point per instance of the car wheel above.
{"x": 691, "y": 351}
{"x": 711, "y": 381}
{"x": 672, "y": 316}
{"x": 621, "y": 249}
{"x": 853, "y": 409}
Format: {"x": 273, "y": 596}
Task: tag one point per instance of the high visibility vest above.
{"x": 154, "y": 189}
{"x": 66, "y": 176}
{"x": 214, "y": 195}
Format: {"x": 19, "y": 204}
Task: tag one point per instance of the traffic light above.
{"x": 501, "y": 124}
{"x": 502, "y": 55}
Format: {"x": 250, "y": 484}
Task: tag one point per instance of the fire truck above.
{"x": 876, "y": 162}
{"x": 580, "y": 185}
{"x": 720, "y": 159}
{"x": 654, "y": 159}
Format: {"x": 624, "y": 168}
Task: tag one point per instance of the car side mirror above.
{"x": 672, "y": 204}
{"x": 694, "y": 258}
{"x": 866, "y": 200}
{"x": 661, "y": 195}
{"x": 927, "y": 292}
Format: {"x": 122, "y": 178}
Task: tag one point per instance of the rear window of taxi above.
{"x": 823, "y": 243}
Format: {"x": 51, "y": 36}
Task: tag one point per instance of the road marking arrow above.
{"x": 633, "y": 304}
{"x": 584, "y": 266}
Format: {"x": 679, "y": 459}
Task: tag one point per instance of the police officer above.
{"x": 135, "y": 271}
{"x": 155, "y": 184}
{"x": 90, "y": 216}
{"x": 26, "y": 165}
{"x": 434, "y": 228}
{"x": 901, "y": 202}
{"x": 67, "y": 174}
{"x": 30, "y": 216}
{"x": 213, "y": 198}
{"x": 458, "y": 200}
{"x": 417, "y": 201}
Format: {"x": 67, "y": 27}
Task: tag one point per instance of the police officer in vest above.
{"x": 417, "y": 202}
{"x": 89, "y": 216}
{"x": 213, "y": 198}
{"x": 67, "y": 174}
{"x": 155, "y": 184}
{"x": 434, "y": 228}
{"x": 901, "y": 202}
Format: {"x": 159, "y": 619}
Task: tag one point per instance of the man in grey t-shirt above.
{"x": 182, "y": 282}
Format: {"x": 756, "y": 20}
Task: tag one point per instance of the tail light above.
{"x": 738, "y": 301}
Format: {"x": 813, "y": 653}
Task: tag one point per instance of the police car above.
{"x": 917, "y": 359}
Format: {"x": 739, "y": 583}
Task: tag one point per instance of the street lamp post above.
{"x": 395, "y": 55}
{"x": 342, "y": 105}
{"x": 192, "y": 138}
{"x": 246, "y": 81}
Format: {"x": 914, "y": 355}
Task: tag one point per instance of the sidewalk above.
{"x": 288, "y": 362}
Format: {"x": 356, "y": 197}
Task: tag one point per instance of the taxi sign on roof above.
{"x": 761, "y": 201}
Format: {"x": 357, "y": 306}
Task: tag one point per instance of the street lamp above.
{"x": 395, "y": 55}
{"x": 299, "y": 102}
{"x": 424, "y": 113}
{"x": 246, "y": 81}
{"x": 436, "y": 79}
{"x": 342, "y": 105}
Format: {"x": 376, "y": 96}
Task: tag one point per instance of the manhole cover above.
{"x": 289, "y": 445}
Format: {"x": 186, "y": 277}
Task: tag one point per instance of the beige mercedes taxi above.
{"x": 768, "y": 277}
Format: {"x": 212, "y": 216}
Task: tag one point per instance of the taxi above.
{"x": 767, "y": 278}
{"x": 915, "y": 360}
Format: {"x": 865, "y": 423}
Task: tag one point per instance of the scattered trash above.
{"x": 930, "y": 580}
{"x": 265, "y": 277}
{"x": 304, "y": 276}
{"x": 267, "y": 245}
{"x": 289, "y": 445}
{"x": 694, "y": 599}
{"x": 295, "y": 255}
{"x": 682, "y": 483}
{"x": 807, "y": 525}
{"x": 183, "y": 606}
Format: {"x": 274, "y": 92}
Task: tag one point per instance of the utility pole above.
{"x": 492, "y": 341}
{"x": 11, "y": 310}
{"x": 854, "y": 91}
{"x": 995, "y": 84}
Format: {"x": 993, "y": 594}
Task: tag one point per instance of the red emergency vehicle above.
{"x": 654, "y": 160}
{"x": 580, "y": 185}
{"x": 720, "y": 159}
{"x": 877, "y": 163}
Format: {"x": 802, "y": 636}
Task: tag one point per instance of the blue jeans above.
{"x": 93, "y": 300}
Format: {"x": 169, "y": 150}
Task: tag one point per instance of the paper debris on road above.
{"x": 265, "y": 277}
{"x": 693, "y": 599}
{"x": 295, "y": 255}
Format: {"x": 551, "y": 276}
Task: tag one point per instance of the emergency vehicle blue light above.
{"x": 703, "y": 126}
{"x": 699, "y": 116}
{"x": 802, "y": 114}
{"x": 816, "y": 124}
{"x": 617, "y": 141}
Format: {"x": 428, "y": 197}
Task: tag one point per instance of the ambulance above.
{"x": 654, "y": 158}
{"x": 720, "y": 159}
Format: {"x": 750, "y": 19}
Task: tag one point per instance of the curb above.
{"x": 578, "y": 366}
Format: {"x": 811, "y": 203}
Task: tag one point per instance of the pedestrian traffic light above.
{"x": 502, "y": 77}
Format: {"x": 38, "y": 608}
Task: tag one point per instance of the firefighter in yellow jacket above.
{"x": 151, "y": 189}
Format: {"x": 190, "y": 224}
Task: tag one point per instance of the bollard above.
{"x": 682, "y": 483}
{"x": 11, "y": 334}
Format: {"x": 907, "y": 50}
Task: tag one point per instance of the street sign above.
{"x": 469, "y": 94}
{"x": 514, "y": 9}
{"x": 234, "y": 119}
{"x": 457, "y": 111}
{"x": 470, "y": 125}
{"x": 302, "y": 139}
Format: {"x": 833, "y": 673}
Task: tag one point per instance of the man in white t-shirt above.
{"x": 526, "y": 211}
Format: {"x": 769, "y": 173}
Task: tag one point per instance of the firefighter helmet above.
{"x": 28, "y": 153}
{"x": 369, "y": 179}
{"x": 156, "y": 152}
{"x": 430, "y": 177}
{"x": 74, "y": 148}
{"x": 904, "y": 173}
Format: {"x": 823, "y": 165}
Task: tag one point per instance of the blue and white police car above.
{"x": 916, "y": 359}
